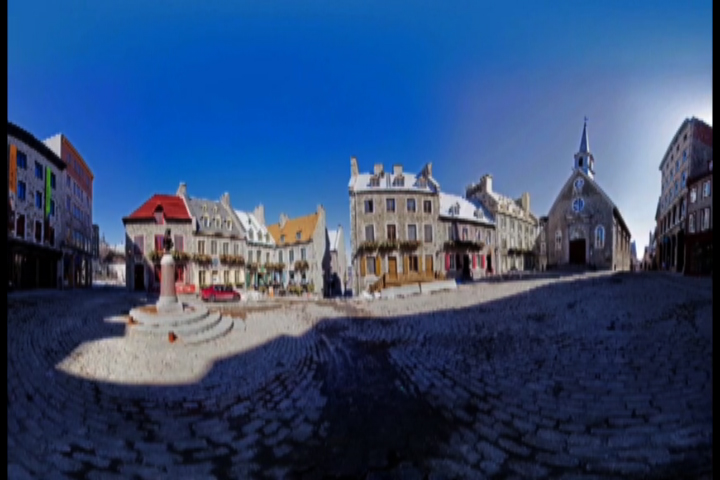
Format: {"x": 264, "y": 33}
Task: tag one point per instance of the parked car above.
{"x": 219, "y": 292}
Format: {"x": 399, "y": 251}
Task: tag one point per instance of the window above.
{"x": 427, "y": 206}
{"x": 578, "y": 204}
{"x": 179, "y": 243}
{"x": 599, "y": 236}
{"x": 542, "y": 248}
{"x": 280, "y": 256}
{"x": 411, "y": 205}
{"x": 390, "y": 204}
{"x": 399, "y": 181}
{"x": 706, "y": 219}
{"x": 375, "y": 182}
{"x": 236, "y": 249}
{"x": 38, "y": 231}
{"x": 291, "y": 256}
{"x": 302, "y": 254}
{"x": 229, "y": 224}
{"x": 158, "y": 217}
{"x": 21, "y": 190}
{"x": 706, "y": 189}
{"x": 52, "y": 180}
{"x": 512, "y": 225}
{"x": 207, "y": 224}
{"x": 488, "y": 238}
{"x": 159, "y": 242}
{"x": 38, "y": 200}
{"x": 282, "y": 238}
{"x": 391, "y": 232}
{"x": 259, "y": 256}
{"x": 503, "y": 241}
{"x": 267, "y": 257}
{"x": 691, "y": 223}
{"x": 428, "y": 234}
{"x": 213, "y": 247}
{"x": 451, "y": 263}
{"x": 226, "y": 276}
{"x": 451, "y": 232}
{"x": 21, "y": 160}
{"x": 250, "y": 256}
{"x": 238, "y": 277}
{"x": 20, "y": 226}
{"x": 464, "y": 233}
{"x": 558, "y": 240}
{"x": 369, "y": 233}
{"x": 412, "y": 232}
{"x": 201, "y": 247}
{"x": 250, "y": 234}
{"x": 413, "y": 263}
{"x": 226, "y": 248}
{"x": 217, "y": 223}
{"x": 297, "y": 236}
{"x": 677, "y": 164}
{"x": 371, "y": 266}
{"x": 368, "y": 206}
{"x": 512, "y": 242}
{"x": 52, "y": 208}
{"x": 38, "y": 170}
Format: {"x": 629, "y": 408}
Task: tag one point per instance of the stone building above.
{"x": 699, "y": 223}
{"x": 687, "y": 156}
{"x": 77, "y": 241}
{"x": 338, "y": 273}
{"x": 217, "y": 245}
{"x": 144, "y": 232}
{"x": 541, "y": 245}
{"x": 515, "y": 225}
{"x": 467, "y": 230}
{"x": 37, "y": 214}
{"x": 302, "y": 249}
{"x": 584, "y": 226}
{"x": 260, "y": 247}
{"x": 393, "y": 223}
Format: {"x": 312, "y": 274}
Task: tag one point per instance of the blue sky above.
{"x": 268, "y": 100}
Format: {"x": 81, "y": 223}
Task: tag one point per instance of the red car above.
{"x": 219, "y": 292}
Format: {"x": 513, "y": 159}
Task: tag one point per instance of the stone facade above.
{"x": 140, "y": 242}
{"x": 372, "y": 220}
{"x": 584, "y": 227}
{"x": 699, "y": 227}
{"x": 516, "y": 226}
{"x": 687, "y": 155}
{"x": 35, "y": 256}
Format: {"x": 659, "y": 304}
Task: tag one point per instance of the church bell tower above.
{"x": 584, "y": 159}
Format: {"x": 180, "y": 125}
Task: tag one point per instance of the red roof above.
{"x": 173, "y": 208}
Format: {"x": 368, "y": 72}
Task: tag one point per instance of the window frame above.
{"x": 414, "y": 205}
{"x": 372, "y": 229}
{"x": 394, "y": 237}
{"x": 409, "y": 237}
{"x": 369, "y": 205}
{"x": 427, "y": 203}
{"x": 425, "y": 233}
{"x": 388, "y": 202}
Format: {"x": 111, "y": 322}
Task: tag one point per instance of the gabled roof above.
{"x": 251, "y": 224}
{"x": 200, "y": 208}
{"x": 467, "y": 209}
{"x": 173, "y": 209}
{"x": 305, "y": 225}
{"x": 605, "y": 196}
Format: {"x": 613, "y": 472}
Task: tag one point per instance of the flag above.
{"x": 48, "y": 192}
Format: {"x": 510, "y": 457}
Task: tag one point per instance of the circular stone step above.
{"x": 190, "y": 314}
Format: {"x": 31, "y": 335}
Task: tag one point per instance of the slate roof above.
{"x": 172, "y": 205}
{"x": 251, "y": 224}
{"x": 467, "y": 209}
{"x": 305, "y": 225}
{"x": 211, "y": 209}
{"x": 361, "y": 183}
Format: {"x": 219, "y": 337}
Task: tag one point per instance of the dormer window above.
{"x": 282, "y": 238}
{"x": 158, "y": 215}
{"x": 229, "y": 225}
{"x": 375, "y": 182}
{"x": 250, "y": 234}
{"x": 206, "y": 221}
{"x": 297, "y": 236}
{"x": 399, "y": 181}
{"x": 217, "y": 222}
{"x": 455, "y": 209}
{"x": 204, "y": 207}
{"x": 215, "y": 209}
{"x": 422, "y": 182}
{"x": 479, "y": 213}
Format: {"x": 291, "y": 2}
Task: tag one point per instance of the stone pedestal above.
{"x": 168, "y": 302}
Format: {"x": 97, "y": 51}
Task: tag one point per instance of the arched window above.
{"x": 558, "y": 240}
{"x": 599, "y": 236}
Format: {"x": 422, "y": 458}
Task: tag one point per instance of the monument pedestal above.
{"x": 168, "y": 302}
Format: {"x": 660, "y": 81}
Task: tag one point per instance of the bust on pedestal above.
{"x": 168, "y": 302}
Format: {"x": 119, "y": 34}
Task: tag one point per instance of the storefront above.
{"x": 32, "y": 266}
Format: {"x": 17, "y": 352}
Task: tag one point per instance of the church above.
{"x": 583, "y": 226}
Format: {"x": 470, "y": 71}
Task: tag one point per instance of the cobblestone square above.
{"x": 587, "y": 376}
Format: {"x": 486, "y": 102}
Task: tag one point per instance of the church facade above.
{"x": 583, "y": 226}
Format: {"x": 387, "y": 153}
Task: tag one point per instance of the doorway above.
{"x": 577, "y": 252}
{"x": 489, "y": 263}
{"x": 429, "y": 265}
{"x": 139, "y": 278}
{"x": 466, "y": 266}
{"x": 392, "y": 268}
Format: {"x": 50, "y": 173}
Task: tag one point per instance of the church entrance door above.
{"x": 577, "y": 252}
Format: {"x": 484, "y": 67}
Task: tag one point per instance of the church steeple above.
{"x": 583, "y": 158}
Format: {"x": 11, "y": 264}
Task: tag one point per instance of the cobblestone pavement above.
{"x": 585, "y": 377}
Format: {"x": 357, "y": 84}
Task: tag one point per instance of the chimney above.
{"x": 225, "y": 199}
{"x": 259, "y": 214}
{"x": 321, "y": 210}
{"x": 182, "y": 190}
{"x": 397, "y": 169}
{"x": 525, "y": 202}
{"x": 353, "y": 167}
{"x": 378, "y": 168}
{"x": 283, "y": 220}
{"x": 486, "y": 183}
{"x": 427, "y": 170}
